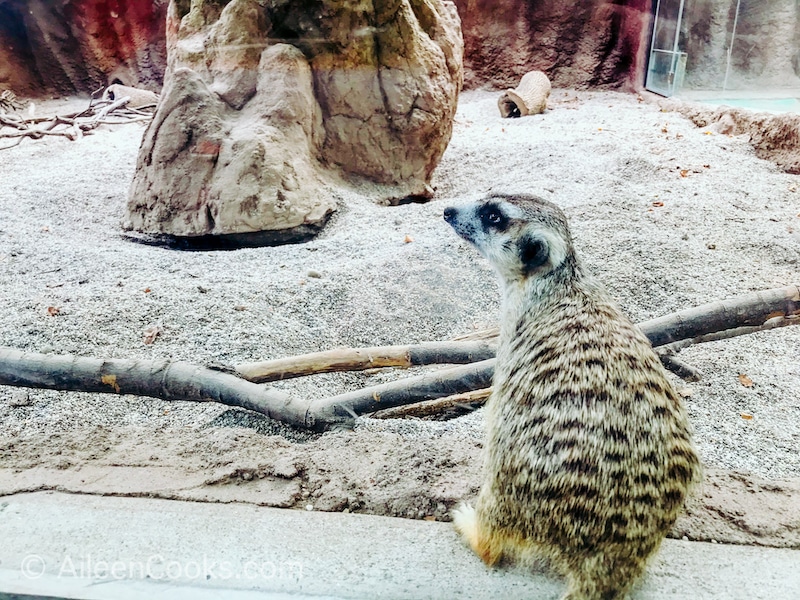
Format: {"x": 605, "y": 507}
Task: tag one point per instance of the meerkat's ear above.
{"x": 533, "y": 252}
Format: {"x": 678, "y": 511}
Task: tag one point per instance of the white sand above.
{"x": 604, "y": 157}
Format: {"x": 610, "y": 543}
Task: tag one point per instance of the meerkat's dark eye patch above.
{"x": 533, "y": 252}
{"x": 492, "y": 217}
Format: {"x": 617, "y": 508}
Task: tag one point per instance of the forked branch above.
{"x": 182, "y": 381}
{"x": 756, "y": 312}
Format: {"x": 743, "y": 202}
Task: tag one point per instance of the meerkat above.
{"x": 589, "y": 455}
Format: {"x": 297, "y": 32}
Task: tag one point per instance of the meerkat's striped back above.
{"x": 589, "y": 451}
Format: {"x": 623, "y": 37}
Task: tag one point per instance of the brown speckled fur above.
{"x": 589, "y": 454}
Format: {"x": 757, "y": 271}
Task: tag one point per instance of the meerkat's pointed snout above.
{"x": 457, "y": 218}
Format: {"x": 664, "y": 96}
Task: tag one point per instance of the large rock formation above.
{"x": 245, "y": 178}
{"x": 238, "y": 143}
{"x": 387, "y": 78}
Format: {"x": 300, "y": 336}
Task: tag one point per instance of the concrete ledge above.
{"x": 92, "y": 547}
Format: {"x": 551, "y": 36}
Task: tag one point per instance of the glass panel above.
{"x": 706, "y": 37}
{"x": 662, "y": 68}
{"x": 660, "y": 76}
{"x": 666, "y": 25}
{"x": 764, "y": 51}
{"x": 740, "y": 52}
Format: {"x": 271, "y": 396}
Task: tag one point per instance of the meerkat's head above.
{"x": 522, "y": 236}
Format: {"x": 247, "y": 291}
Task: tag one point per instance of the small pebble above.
{"x": 20, "y": 398}
{"x": 314, "y": 274}
{"x": 309, "y": 507}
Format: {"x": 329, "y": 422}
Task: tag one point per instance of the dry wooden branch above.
{"x": 73, "y": 126}
{"x": 680, "y": 368}
{"x": 437, "y": 384}
{"x": 738, "y": 316}
{"x": 718, "y": 320}
{"x": 752, "y": 310}
{"x": 467, "y": 401}
{"x": 124, "y": 121}
{"x": 12, "y": 120}
{"x": 40, "y": 133}
{"x": 773, "y": 323}
{"x": 359, "y": 359}
{"x": 120, "y": 102}
{"x": 144, "y": 110}
{"x": 489, "y": 335}
{"x": 158, "y": 379}
{"x": 183, "y": 381}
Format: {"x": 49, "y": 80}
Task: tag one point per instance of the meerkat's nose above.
{"x": 449, "y": 213}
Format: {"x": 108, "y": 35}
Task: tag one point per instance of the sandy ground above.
{"x": 667, "y": 215}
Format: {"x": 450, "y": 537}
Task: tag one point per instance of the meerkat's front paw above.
{"x": 465, "y": 520}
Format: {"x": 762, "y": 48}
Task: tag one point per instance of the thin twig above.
{"x": 73, "y": 125}
{"x": 17, "y": 143}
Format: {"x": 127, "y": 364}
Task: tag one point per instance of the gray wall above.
{"x": 766, "y": 45}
